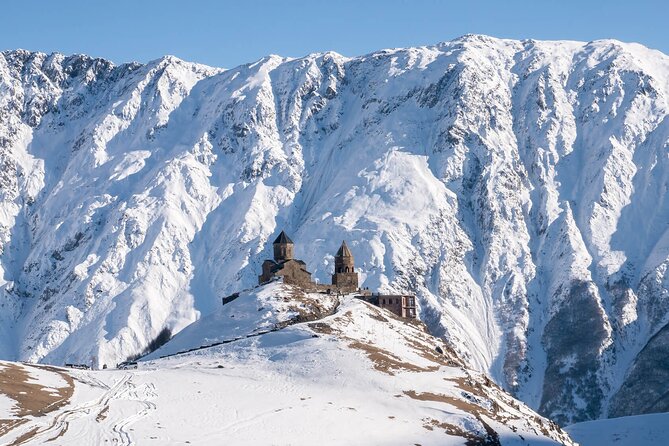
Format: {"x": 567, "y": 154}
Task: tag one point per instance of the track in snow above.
{"x": 117, "y": 432}
{"x": 120, "y": 428}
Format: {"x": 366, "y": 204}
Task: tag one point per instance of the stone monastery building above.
{"x": 284, "y": 265}
{"x": 344, "y": 279}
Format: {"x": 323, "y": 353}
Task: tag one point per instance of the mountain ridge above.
{"x": 500, "y": 180}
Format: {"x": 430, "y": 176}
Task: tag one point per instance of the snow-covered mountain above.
{"x": 518, "y": 187}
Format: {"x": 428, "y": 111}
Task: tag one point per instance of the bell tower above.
{"x": 345, "y": 277}
{"x": 283, "y": 248}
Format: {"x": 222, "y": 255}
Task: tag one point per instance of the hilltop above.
{"x": 286, "y": 372}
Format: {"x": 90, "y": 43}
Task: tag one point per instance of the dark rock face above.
{"x": 646, "y": 386}
{"x": 573, "y": 339}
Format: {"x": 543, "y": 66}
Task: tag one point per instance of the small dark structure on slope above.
{"x": 344, "y": 279}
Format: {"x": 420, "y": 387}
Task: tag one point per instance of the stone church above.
{"x": 344, "y": 279}
{"x": 285, "y": 265}
{"x": 294, "y": 271}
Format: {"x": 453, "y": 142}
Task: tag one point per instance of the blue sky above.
{"x": 227, "y": 34}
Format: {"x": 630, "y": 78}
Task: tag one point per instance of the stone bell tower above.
{"x": 283, "y": 248}
{"x": 345, "y": 278}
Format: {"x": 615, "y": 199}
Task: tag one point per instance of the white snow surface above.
{"x": 517, "y": 187}
{"x": 638, "y": 430}
{"x": 254, "y": 312}
{"x": 7, "y": 407}
{"x": 45, "y": 378}
{"x": 357, "y": 376}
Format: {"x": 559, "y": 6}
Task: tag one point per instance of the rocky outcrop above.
{"x": 644, "y": 389}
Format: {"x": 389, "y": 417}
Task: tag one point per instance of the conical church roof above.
{"x": 283, "y": 239}
{"x": 344, "y": 251}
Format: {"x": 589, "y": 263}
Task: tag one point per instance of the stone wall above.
{"x": 294, "y": 273}
{"x": 347, "y": 282}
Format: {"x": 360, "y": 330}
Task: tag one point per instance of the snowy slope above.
{"x": 357, "y": 376}
{"x": 640, "y": 430}
{"x": 518, "y": 187}
{"x": 254, "y": 312}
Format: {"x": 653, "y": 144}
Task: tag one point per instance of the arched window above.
{"x": 346, "y": 269}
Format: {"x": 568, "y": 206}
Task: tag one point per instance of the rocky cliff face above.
{"x": 519, "y": 188}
